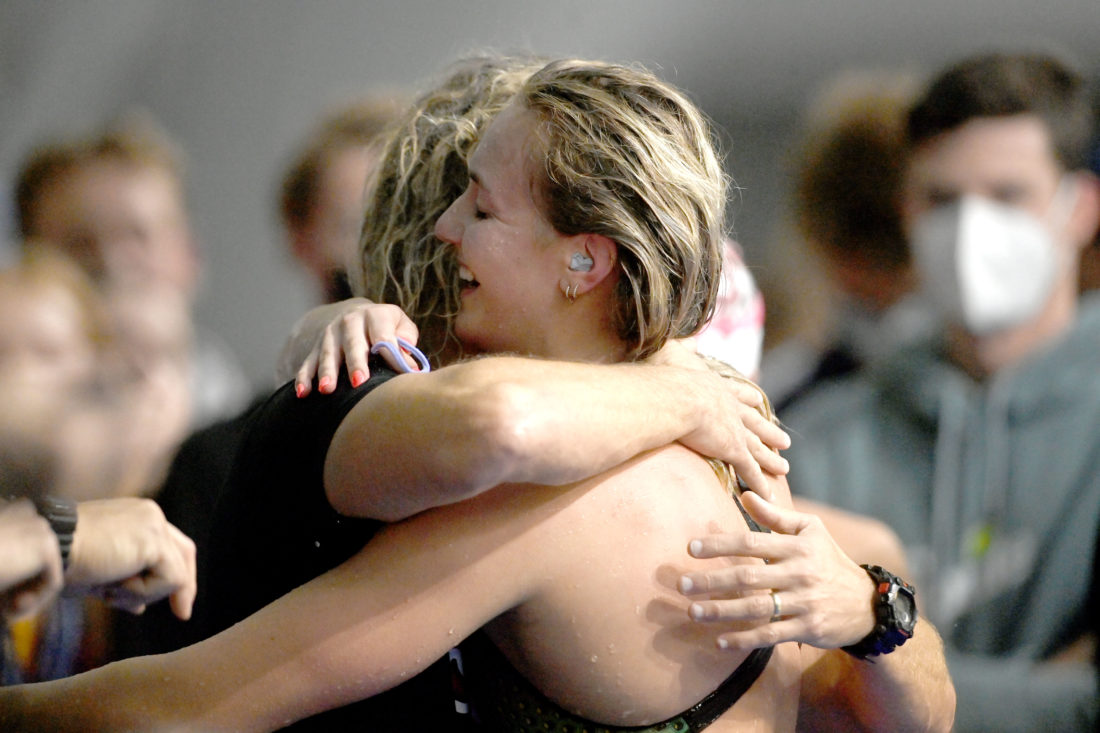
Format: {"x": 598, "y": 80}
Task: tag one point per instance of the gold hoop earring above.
{"x": 569, "y": 291}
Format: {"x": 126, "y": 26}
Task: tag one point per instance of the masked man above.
{"x": 981, "y": 446}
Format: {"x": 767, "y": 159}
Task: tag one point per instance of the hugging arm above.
{"x": 496, "y": 420}
{"x": 826, "y": 603}
{"x": 345, "y": 329}
{"x": 407, "y": 597}
{"x": 462, "y": 429}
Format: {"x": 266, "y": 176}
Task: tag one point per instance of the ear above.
{"x": 601, "y": 250}
{"x": 1085, "y": 217}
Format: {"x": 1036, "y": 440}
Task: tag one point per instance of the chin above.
{"x": 468, "y": 337}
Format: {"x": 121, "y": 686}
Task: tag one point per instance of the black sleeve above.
{"x": 274, "y": 528}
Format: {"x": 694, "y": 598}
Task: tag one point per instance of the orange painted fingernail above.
{"x": 325, "y": 384}
{"x": 358, "y": 377}
{"x": 300, "y": 390}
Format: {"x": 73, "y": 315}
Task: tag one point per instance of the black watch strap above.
{"x": 60, "y": 512}
{"x": 895, "y": 615}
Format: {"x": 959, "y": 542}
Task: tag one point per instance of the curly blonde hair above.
{"x": 422, "y": 171}
{"x": 629, "y": 157}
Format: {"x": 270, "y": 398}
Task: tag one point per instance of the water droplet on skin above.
{"x": 594, "y": 659}
{"x": 451, "y": 631}
{"x": 610, "y": 648}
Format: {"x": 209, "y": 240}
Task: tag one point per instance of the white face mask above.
{"x": 987, "y": 265}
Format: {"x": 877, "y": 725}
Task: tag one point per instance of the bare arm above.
{"x": 506, "y": 420}
{"x": 826, "y": 603}
{"x": 907, "y": 690}
{"x": 412, "y": 593}
{"x": 463, "y": 429}
{"x": 418, "y": 588}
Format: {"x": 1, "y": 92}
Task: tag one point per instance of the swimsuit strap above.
{"x": 504, "y": 700}
{"x": 711, "y": 707}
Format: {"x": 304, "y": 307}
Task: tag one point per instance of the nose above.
{"x": 448, "y": 228}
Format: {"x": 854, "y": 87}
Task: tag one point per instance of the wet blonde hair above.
{"x": 422, "y": 171}
{"x": 629, "y": 157}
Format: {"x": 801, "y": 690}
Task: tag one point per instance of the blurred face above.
{"x": 330, "y": 236}
{"x": 1009, "y": 160}
{"x": 989, "y": 211}
{"x": 42, "y": 339}
{"x": 510, "y": 258}
{"x": 124, "y": 224}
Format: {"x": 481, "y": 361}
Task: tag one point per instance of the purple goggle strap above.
{"x": 414, "y": 352}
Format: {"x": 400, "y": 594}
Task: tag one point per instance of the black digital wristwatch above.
{"x": 60, "y": 512}
{"x": 895, "y": 615}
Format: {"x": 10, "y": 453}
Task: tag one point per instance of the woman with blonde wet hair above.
{"x": 600, "y": 632}
{"x": 629, "y": 158}
{"x": 418, "y": 178}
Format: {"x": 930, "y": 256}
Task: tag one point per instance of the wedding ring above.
{"x": 777, "y": 607}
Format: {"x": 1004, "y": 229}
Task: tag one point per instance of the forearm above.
{"x": 456, "y": 432}
{"x": 907, "y": 690}
{"x": 254, "y": 678}
{"x": 117, "y": 697}
{"x": 361, "y": 628}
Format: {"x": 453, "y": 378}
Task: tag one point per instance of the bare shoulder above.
{"x": 608, "y": 561}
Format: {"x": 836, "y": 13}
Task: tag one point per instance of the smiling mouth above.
{"x": 466, "y": 278}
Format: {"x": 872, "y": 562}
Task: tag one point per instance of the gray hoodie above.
{"x": 994, "y": 488}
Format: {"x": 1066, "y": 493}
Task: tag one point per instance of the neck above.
{"x": 584, "y": 332}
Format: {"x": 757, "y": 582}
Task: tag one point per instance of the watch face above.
{"x": 905, "y": 609}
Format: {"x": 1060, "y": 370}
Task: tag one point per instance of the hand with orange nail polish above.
{"x": 344, "y": 331}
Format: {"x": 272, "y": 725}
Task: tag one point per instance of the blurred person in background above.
{"x": 59, "y": 350}
{"x": 320, "y": 204}
{"x": 848, "y": 170}
{"x": 115, "y": 203}
{"x": 1090, "y": 257}
{"x": 321, "y": 198}
{"x": 980, "y": 444}
{"x": 64, "y": 439}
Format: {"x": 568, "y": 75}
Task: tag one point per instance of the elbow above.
{"x": 499, "y": 443}
{"x": 360, "y": 501}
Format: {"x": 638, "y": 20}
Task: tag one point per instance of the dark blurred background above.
{"x": 237, "y": 83}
